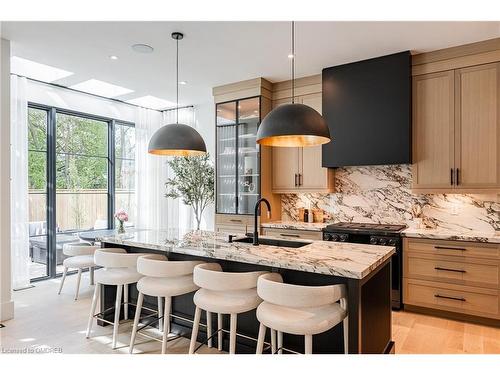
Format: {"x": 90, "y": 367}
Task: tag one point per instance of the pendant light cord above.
{"x": 293, "y": 62}
{"x": 177, "y": 83}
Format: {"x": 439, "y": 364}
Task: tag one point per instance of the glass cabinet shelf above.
{"x": 238, "y": 157}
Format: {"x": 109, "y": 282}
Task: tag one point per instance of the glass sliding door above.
{"x": 37, "y": 193}
{"x": 79, "y": 168}
{"x": 81, "y": 157}
{"x": 125, "y": 170}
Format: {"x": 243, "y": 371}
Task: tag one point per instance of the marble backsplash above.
{"x": 382, "y": 194}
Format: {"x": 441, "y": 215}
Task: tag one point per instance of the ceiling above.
{"x": 217, "y": 53}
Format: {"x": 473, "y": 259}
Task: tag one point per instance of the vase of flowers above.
{"x": 122, "y": 217}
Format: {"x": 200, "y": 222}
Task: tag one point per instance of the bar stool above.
{"x": 222, "y": 293}
{"x": 120, "y": 270}
{"x": 81, "y": 256}
{"x": 299, "y": 310}
{"x": 162, "y": 278}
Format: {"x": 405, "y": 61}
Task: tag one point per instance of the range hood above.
{"x": 367, "y": 106}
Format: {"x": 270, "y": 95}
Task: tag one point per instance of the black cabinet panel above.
{"x": 367, "y": 106}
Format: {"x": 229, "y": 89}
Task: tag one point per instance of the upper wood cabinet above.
{"x": 298, "y": 169}
{"x": 456, "y": 130}
{"x": 477, "y": 126}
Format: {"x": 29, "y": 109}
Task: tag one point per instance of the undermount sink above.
{"x": 272, "y": 242}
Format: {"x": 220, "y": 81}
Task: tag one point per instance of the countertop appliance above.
{"x": 367, "y": 106}
{"x": 375, "y": 234}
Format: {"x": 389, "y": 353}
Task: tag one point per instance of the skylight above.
{"x": 41, "y": 72}
{"x": 96, "y": 87}
{"x": 152, "y": 102}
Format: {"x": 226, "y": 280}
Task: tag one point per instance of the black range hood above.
{"x": 367, "y": 106}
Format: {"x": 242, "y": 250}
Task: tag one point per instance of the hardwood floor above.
{"x": 424, "y": 334}
{"x": 47, "y": 320}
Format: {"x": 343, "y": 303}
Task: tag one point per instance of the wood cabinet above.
{"x": 234, "y": 224}
{"x": 243, "y": 168}
{"x": 456, "y": 276}
{"x": 298, "y": 169}
{"x": 293, "y": 233}
{"x": 456, "y": 130}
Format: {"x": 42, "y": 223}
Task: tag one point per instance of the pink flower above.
{"x": 121, "y": 215}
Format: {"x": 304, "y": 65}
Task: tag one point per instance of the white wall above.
{"x": 6, "y": 303}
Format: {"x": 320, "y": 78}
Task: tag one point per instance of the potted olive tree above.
{"x": 193, "y": 182}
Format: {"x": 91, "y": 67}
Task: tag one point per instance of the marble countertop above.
{"x": 455, "y": 235}
{"x": 439, "y": 234}
{"x": 330, "y": 258}
{"x": 297, "y": 225}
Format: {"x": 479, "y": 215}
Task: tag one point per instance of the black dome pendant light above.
{"x": 293, "y": 125}
{"x": 177, "y": 139}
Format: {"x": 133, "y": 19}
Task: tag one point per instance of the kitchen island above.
{"x": 365, "y": 269}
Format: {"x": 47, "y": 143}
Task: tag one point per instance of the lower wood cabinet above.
{"x": 456, "y": 276}
{"x": 234, "y": 224}
{"x": 293, "y": 234}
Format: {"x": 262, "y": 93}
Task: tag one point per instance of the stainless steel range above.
{"x": 375, "y": 234}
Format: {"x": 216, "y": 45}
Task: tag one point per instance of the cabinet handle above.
{"x": 453, "y": 298}
{"x": 451, "y": 176}
{"x": 449, "y": 269}
{"x": 300, "y": 179}
{"x": 289, "y": 235}
{"x": 450, "y": 248}
{"x": 458, "y": 177}
{"x": 296, "y": 179}
{"x": 235, "y": 220}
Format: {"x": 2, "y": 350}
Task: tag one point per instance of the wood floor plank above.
{"x": 45, "y": 319}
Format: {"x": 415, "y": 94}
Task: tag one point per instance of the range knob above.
{"x": 373, "y": 240}
{"x": 328, "y": 237}
{"x": 335, "y": 237}
{"x": 382, "y": 241}
{"x": 392, "y": 242}
{"x": 343, "y": 237}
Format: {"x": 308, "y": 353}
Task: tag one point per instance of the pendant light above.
{"x": 177, "y": 139}
{"x": 293, "y": 125}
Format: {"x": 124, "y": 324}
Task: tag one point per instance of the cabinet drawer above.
{"x": 441, "y": 268}
{"x": 231, "y": 229}
{"x": 234, "y": 220}
{"x": 461, "y": 249}
{"x": 293, "y": 233}
{"x": 456, "y": 298}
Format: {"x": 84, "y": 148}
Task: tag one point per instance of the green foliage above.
{"x": 193, "y": 182}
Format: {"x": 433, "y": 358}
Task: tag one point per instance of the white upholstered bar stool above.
{"x": 162, "y": 279}
{"x": 120, "y": 270}
{"x": 299, "y": 310}
{"x": 222, "y": 293}
{"x": 81, "y": 256}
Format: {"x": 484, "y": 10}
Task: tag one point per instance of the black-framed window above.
{"x": 73, "y": 161}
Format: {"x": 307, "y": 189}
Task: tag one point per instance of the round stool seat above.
{"x": 117, "y": 276}
{"x": 79, "y": 261}
{"x": 166, "y": 286}
{"x": 227, "y": 302}
{"x": 300, "y": 321}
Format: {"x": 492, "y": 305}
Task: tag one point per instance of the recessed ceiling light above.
{"x": 41, "y": 72}
{"x": 142, "y": 48}
{"x": 113, "y": 57}
{"x": 290, "y": 56}
{"x": 94, "y": 86}
{"x": 152, "y": 102}
{"x": 182, "y": 82}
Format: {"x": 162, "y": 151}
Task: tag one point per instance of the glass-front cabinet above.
{"x": 238, "y": 162}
